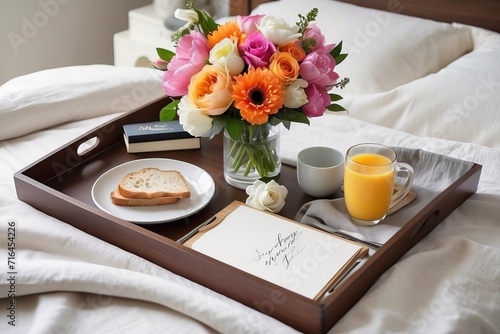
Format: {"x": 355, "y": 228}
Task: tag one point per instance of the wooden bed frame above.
{"x": 479, "y": 13}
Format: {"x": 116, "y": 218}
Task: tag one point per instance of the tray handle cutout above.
{"x": 104, "y": 136}
{"x": 87, "y": 146}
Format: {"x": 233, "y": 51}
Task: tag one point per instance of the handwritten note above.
{"x": 288, "y": 254}
{"x": 283, "y": 251}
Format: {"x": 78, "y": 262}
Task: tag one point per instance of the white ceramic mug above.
{"x": 320, "y": 170}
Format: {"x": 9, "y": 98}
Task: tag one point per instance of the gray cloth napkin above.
{"x": 433, "y": 174}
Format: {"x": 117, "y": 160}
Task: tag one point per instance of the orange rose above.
{"x": 209, "y": 90}
{"x": 284, "y": 66}
{"x": 295, "y": 49}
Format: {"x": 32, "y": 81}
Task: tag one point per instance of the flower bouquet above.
{"x": 246, "y": 77}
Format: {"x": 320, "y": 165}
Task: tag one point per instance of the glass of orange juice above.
{"x": 369, "y": 182}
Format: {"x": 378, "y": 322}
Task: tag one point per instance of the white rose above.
{"x": 188, "y": 15}
{"x": 278, "y": 31}
{"x": 266, "y": 196}
{"x": 295, "y": 96}
{"x": 193, "y": 120}
{"x": 225, "y": 54}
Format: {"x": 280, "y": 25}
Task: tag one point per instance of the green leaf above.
{"x": 165, "y": 54}
{"x": 234, "y": 127}
{"x": 335, "y": 97}
{"x": 207, "y": 23}
{"x": 340, "y": 58}
{"x": 337, "y": 55}
{"x": 289, "y": 115}
{"x": 336, "y": 50}
{"x": 276, "y": 121}
{"x": 169, "y": 112}
{"x": 336, "y": 107}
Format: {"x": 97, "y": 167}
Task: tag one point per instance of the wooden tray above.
{"x": 60, "y": 183}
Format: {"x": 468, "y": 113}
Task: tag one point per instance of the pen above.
{"x": 195, "y": 230}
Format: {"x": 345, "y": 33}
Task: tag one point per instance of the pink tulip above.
{"x": 191, "y": 55}
{"x": 318, "y": 100}
{"x": 160, "y": 64}
{"x": 318, "y": 68}
{"x": 248, "y": 24}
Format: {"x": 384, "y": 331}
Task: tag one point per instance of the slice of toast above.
{"x": 152, "y": 182}
{"x": 118, "y": 199}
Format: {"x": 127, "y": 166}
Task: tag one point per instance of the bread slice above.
{"x": 152, "y": 183}
{"x": 118, "y": 199}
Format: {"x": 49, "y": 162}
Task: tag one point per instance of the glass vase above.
{"x": 254, "y": 154}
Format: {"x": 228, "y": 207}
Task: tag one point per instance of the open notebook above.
{"x": 294, "y": 256}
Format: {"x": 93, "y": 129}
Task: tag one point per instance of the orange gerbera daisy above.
{"x": 228, "y": 30}
{"x": 258, "y": 94}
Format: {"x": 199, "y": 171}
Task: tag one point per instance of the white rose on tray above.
{"x": 266, "y": 196}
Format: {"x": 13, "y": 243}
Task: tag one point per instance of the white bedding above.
{"x": 69, "y": 282}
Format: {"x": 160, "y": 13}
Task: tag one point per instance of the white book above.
{"x": 163, "y": 145}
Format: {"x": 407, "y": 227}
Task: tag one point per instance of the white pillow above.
{"x": 385, "y": 49}
{"x": 461, "y": 102}
{"x": 43, "y": 99}
{"x": 479, "y": 36}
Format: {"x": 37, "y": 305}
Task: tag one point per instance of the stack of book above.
{"x": 158, "y": 136}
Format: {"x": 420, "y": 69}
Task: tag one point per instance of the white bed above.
{"x": 415, "y": 83}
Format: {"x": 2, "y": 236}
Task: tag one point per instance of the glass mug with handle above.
{"x": 369, "y": 182}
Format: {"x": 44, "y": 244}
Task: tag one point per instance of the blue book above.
{"x": 154, "y": 131}
{"x": 158, "y": 136}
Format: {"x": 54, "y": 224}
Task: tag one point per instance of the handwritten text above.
{"x": 282, "y": 252}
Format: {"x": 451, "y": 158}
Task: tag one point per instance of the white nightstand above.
{"x": 137, "y": 45}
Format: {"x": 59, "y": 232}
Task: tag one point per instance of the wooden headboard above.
{"x": 479, "y": 13}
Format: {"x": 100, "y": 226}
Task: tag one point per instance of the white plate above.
{"x": 200, "y": 183}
